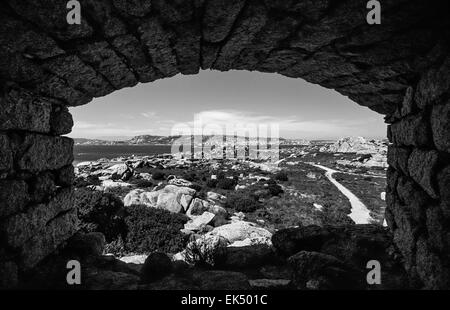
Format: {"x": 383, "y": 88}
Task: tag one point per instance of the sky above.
{"x": 301, "y": 110}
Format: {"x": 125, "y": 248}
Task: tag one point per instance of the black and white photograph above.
{"x": 198, "y": 147}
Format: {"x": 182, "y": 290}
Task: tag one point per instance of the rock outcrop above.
{"x": 171, "y": 198}
{"x": 356, "y": 145}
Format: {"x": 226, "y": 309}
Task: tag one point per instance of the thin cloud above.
{"x": 148, "y": 114}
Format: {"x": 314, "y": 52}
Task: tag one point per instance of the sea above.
{"x": 95, "y": 152}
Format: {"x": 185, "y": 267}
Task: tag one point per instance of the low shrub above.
{"x": 100, "y": 212}
{"x": 226, "y": 183}
{"x": 242, "y": 202}
{"x": 158, "y": 175}
{"x": 140, "y": 183}
{"x": 275, "y": 189}
{"x": 151, "y": 229}
{"x": 211, "y": 183}
{"x": 206, "y": 252}
{"x": 116, "y": 247}
{"x": 189, "y": 176}
{"x": 281, "y": 176}
{"x": 220, "y": 175}
{"x": 196, "y": 186}
{"x": 86, "y": 181}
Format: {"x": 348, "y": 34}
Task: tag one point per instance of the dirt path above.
{"x": 359, "y": 212}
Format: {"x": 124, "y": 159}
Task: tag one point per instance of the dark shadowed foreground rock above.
{"x": 248, "y": 256}
{"x": 156, "y": 266}
{"x": 353, "y": 246}
{"x": 314, "y": 270}
{"x": 110, "y": 280}
{"x": 90, "y": 244}
{"x": 203, "y": 280}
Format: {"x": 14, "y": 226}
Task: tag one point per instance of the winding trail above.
{"x": 359, "y": 212}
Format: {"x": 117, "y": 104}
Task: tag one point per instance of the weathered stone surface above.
{"x": 24, "y": 226}
{"x": 131, "y": 48}
{"x": 346, "y": 16}
{"x": 81, "y": 76}
{"x": 61, "y": 120}
{"x": 97, "y": 279}
{"x": 411, "y": 131}
{"x": 219, "y": 16}
{"x": 86, "y": 245}
{"x": 187, "y": 49}
{"x": 221, "y": 280}
{"x": 408, "y": 102}
{"x": 440, "y": 124}
{"x": 438, "y": 233}
{"x": 292, "y": 240}
{"x": 412, "y": 197}
{"x": 22, "y": 110}
{"x": 13, "y": 197}
{"x": 430, "y": 267}
{"x": 405, "y": 231}
{"x": 177, "y": 12}
{"x": 65, "y": 176}
{"x": 6, "y": 155}
{"x": 103, "y": 14}
{"x": 157, "y": 41}
{"x": 133, "y": 7}
{"x": 108, "y": 63}
{"x": 353, "y": 244}
{"x": 9, "y": 272}
{"x": 20, "y": 38}
{"x": 422, "y": 168}
{"x": 51, "y": 16}
{"x": 252, "y": 21}
{"x": 237, "y": 258}
{"x": 274, "y": 31}
{"x": 48, "y": 239}
{"x": 15, "y": 67}
{"x": 156, "y": 266}
{"x": 314, "y": 270}
{"x": 444, "y": 188}
{"x": 397, "y": 158}
{"x": 434, "y": 83}
{"x": 42, "y": 186}
{"x": 45, "y": 153}
{"x": 55, "y": 87}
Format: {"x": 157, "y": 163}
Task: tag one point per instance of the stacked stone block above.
{"x": 36, "y": 176}
{"x": 418, "y": 205}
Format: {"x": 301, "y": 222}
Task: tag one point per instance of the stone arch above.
{"x": 399, "y": 68}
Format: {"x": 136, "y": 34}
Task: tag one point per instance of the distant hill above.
{"x": 149, "y": 139}
{"x": 164, "y": 140}
{"x": 356, "y": 145}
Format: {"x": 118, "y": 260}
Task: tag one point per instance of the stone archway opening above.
{"x": 399, "y": 68}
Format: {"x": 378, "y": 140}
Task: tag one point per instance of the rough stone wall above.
{"x": 36, "y": 175}
{"x": 398, "y": 68}
{"x": 418, "y": 193}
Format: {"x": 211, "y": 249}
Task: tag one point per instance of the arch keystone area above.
{"x": 400, "y": 68}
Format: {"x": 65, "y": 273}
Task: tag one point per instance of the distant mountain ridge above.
{"x": 356, "y": 145}
{"x": 163, "y": 140}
